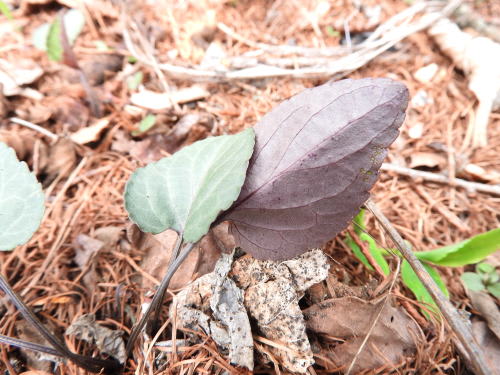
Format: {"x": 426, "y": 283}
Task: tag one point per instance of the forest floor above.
{"x": 88, "y": 258}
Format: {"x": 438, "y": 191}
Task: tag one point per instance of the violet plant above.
{"x": 291, "y": 183}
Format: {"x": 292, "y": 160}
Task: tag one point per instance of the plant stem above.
{"x": 28, "y": 345}
{"x": 472, "y": 352}
{"x": 158, "y": 295}
{"x": 157, "y": 308}
{"x": 88, "y": 363}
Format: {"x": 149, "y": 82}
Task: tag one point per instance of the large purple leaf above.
{"x": 316, "y": 157}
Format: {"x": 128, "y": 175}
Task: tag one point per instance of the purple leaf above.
{"x": 316, "y": 157}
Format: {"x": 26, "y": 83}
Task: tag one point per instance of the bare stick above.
{"x": 35, "y": 127}
{"x": 471, "y": 349}
{"x": 429, "y": 176}
{"x": 158, "y": 296}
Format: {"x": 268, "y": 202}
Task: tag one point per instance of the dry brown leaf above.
{"x": 490, "y": 344}
{"x": 21, "y": 142}
{"x": 426, "y": 159}
{"x": 160, "y": 101}
{"x": 157, "y": 252}
{"x": 482, "y": 174}
{"x": 146, "y": 151}
{"x": 350, "y": 318}
{"x": 13, "y": 76}
{"x": 183, "y": 128}
{"x": 486, "y": 305}
{"x": 62, "y": 158}
{"x": 90, "y": 133}
{"x": 85, "y": 249}
{"x": 107, "y": 340}
{"x": 109, "y": 235}
{"x": 35, "y": 360}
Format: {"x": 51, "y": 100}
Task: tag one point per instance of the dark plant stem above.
{"x": 88, "y": 363}
{"x": 472, "y": 352}
{"x": 28, "y": 345}
{"x": 157, "y": 308}
{"x": 158, "y": 298}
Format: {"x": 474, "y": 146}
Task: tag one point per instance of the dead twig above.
{"x": 433, "y": 177}
{"x": 472, "y": 352}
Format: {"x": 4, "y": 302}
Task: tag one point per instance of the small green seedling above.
{"x": 486, "y": 278}
{"x": 5, "y": 10}
{"x": 470, "y": 251}
{"x": 57, "y": 39}
{"x": 146, "y": 123}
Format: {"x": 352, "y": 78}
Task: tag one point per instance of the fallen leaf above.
{"x": 271, "y": 294}
{"x": 62, "y": 159}
{"x": 13, "y": 76}
{"x": 157, "y": 253}
{"x": 183, "y": 127}
{"x": 146, "y": 151}
{"x": 316, "y": 157}
{"x": 85, "y": 249}
{"x": 350, "y": 318}
{"x": 489, "y": 343}
{"x": 160, "y": 101}
{"x": 90, "y": 133}
{"x": 35, "y": 360}
{"x": 427, "y": 159}
{"x": 487, "y": 307}
{"x": 109, "y": 235}
{"x": 482, "y": 174}
{"x": 107, "y": 340}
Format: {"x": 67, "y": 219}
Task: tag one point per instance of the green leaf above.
{"x": 411, "y": 280}
{"x": 4, "y": 9}
{"x": 485, "y": 268}
{"x": 494, "y": 289}
{"x": 466, "y": 252}
{"x": 472, "y": 281}
{"x": 357, "y": 252}
{"x": 146, "y": 123}
{"x": 187, "y": 191}
{"x": 74, "y": 21}
{"x": 21, "y": 201}
{"x": 134, "y": 81}
{"x": 359, "y": 221}
{"x": 376, "y": 252}
{"x": 54, "y": 45}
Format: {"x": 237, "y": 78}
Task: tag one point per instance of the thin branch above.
{"x": 158, "y": 295}
{"x": 472, "y": 350}
{"x": 384, "y": 37}
{"x": 429, "y": 176}
{"x": 35, "y": 127}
